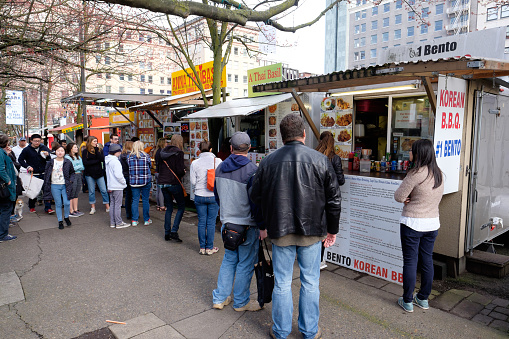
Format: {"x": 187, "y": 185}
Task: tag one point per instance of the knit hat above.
{"x": 114, "y": 148}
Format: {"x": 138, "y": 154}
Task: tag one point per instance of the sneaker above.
{"x": 60, "y": 225}
{"x": 13, "y": 219}
{"x": 50, "y": 211}
{"x": 223, "y": 304}
{"x": 175, "y": 236}
{"x": 212, "y": 251}
{"x": 251, "y": 306}
{"x": 73, "y": 214}
{"x": 421, "y": 303}
{"x": 18, "y": 217}
{"x": 167, "y": 238}
{"x": 123, "y": 225}
{"x": 92, "y": 211}
{"x": 113, "y": 226}
{"x": 408, "y": 307}
{"x": 8, "y": 237}
{"x": 107, "y": 210}
{"x": 32, "y": 210}
{"x": 134, "y": 223}
{"x": 79, "y": 214}
{"x": 323, "y": 265}
{"x": 202, "y": 251}
{"x": 67, "y": 222}
{"x": 148, "y": 222}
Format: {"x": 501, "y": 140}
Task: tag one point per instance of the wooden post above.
{"x": 431, "y": 94}
{"x": 306, "y": 114}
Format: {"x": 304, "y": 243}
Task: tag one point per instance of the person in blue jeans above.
{"x": 171, "y": 169}
{"x": 93, "y": 161}
{"x": 58, "y": 179}
{"x": 206, "y": 205}
{"x": 233, "y": 179}
{"x": 7, "y": 178}
{"x": 140, "y": 180}
{"x": 298, "y": 194}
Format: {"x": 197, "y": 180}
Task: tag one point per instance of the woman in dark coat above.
{"x": 7, "y": 180}
{"x": 93, "y": 161}
{"x": 58, "y": 178}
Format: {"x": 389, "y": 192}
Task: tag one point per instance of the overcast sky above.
{"x": 307, "y": 52}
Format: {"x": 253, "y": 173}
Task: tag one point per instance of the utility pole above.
{"x": 83, "y": 103}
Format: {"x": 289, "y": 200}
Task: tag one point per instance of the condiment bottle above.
{"x": 350, "y": 161}
{"x": 356, "y": 162}
{"x": 383, "y": 164}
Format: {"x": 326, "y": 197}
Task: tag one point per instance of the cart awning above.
{"x": 239, "y": 107}
{"x": 110, "y": 126}
{"x": 173, "y": 101}
{"x": 67, "y": 128}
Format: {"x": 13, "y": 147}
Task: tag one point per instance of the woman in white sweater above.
{"x": 421, "y": 191}
{"x": 206, "y": 205}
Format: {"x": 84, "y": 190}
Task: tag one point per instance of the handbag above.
{"x": 183, "y": 189}
{"x": 32, "y": 185}
{"x": 233, "y": 235}
{"x": 4, "y": 191}
{"x": 211, "y": 177}
{"x": 264, "y": 275}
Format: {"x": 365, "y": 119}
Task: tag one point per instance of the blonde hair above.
{"x": 138, "y": 149}
{"x": 128, "y": 147}
{"x": 177, "y": 141}
{"x": 161, "y": 143}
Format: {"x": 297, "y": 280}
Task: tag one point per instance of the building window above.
{"x": 120, "y": 48}
{"x": 373, "y": 53}
{"x": 439, "y": 9}
{"x": 120, "y": 77}
{"x": 129, "y": 78}
{"x": 99, "y": 89}
{"x": 142, "y": 78}
{"x": 161, "y": 91}
{"x": 410, "y": 31}
{"x": 397, "y": 34}
{"x": 505, "y": 11}
{"x": 168, "y": 91}
{"x": 149, "y": 79}
{"x": 121, "y": 89}
{"x": 385, "y": 22}
{"x": 357, "y": 15}
{"x": 374, "y": 24}
{"x": 142, "y": 65}
{"x": 356, "y": 56}
{"x": 363, "y": 28}
{"x": 507, "y": 32}
{"x": 150, "y": 91}
{"x": 363, "y": 55}
{"x": 168, "y": 81}
{"x": 245, "y": 92}
{"x": 162, "y": 80}
{"x": 149, "y": 39}
{"x": 385, "y": 36}
{"x": 99, "y": 75}
{"x": 142, "y": 90}
{"x": 387, "y": 7}
{"x": 374, "y": 10}
{"x": 97, "y": 59}
{"x": 128, "y": 35}
{"x": 397, "y": 45}
{"x": 357, "y": 29}
{"x": 244, "y": 79}
{"x": 363, "y": 13}
{"x": 384, "y": 48}
{"x": 140, "y": 38}
{"x": 399, "y": 4}
{"x": 492, "y": 14}
{"x": 424, "y": 29}
{"x": 108, "y": 75}
{"x": 356, "y": 42}
{"x": 425, "y": 12}
{"x": 397, "y": 19}
{"x": 374, "y": 39}
{"x": 506, "y": 50}
{"x": 108, "y": 89}
{"x": 229, "y": 77}
{"x": 438, "y": 25}
{"x": 236, "y": 78}
{"x": 149, "y": 66}
{"x": 411, "y": 16}
{"x": 363, "y": 41}
{"x": 235, "y": 50}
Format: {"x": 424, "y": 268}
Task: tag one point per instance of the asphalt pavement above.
{"x": 67, "y": 283}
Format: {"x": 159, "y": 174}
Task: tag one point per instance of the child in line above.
{"x": 116, "y": 183}
{"x": 58, "y": 178}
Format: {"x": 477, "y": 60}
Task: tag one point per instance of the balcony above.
{"x": 457, "y": 26}
{"x": 458, "y": 9}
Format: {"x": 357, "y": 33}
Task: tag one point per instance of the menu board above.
{"x": 146, "y": 129}
{"x": 368, "y": 240}
{"x": 171, "y": 129}
{"x": 336, "y": 116}
{"x": 275, "y": 114}
{"x": 198, "y": 131}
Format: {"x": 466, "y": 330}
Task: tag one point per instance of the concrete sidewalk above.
{"x": 65, "y": 283}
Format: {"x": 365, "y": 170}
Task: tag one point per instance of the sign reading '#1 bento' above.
{"x": 451, "y": 98}
{"x": 181, "y": 83}
{"x": 14, "y": 108}
{"x": 263, "y": 75}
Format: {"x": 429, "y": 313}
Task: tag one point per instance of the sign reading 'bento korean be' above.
{"x": 14, "y": 114}
{"x": 181, "y": 83}
{"x": 451, "y": 99}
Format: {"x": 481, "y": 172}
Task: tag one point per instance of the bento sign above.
{"x": 449, "y": 129}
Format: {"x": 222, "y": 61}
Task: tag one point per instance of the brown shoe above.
{"x": 251, "y": 306}
{"x": 223, "y": 304}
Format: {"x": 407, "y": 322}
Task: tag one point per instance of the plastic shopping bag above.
{"x": 31, "y": 185}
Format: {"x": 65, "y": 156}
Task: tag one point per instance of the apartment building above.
{"x": 491, "y": 15}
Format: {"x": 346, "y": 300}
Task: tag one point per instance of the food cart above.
{"x": 457, "y": 103}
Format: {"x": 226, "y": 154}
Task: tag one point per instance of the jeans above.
{"x": 47, "y": 203}
{"x": 116, "y": 207}
{"x": 60, "y": 195}
{"x": 237, "y": 271}
{"x": 5, "y": 214}
{"x": 308, "y": 258}
{"x": 417, "y": 246}
{"x": 170, "y": 192}
{"x": 207, "y": 209}
{"x": 145, "y": 193}
{"x": 159, "y": 194}
{"x": 102, "y": 188}
{"x": 128, "y": 202}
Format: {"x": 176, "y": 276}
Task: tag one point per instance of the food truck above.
{"x": 456, "y": 102}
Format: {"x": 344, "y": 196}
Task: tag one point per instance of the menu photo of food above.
{"x": 328, "y": 104}
{"x": 272, "y": 121}
{"x": 342, "y": 150}
{"x": 344, "y": 136}
{"x": 272, "y": 145}
{"x": 272, "y": 109}
{"x": 406, "y": 143}
{"x": 272, "y": 132}
{"x": 204, "y": 126}
{"x": 344, "y": 118}
{"x": 192, "y": 125}
{"x": 327, "y": 119}
{"x": 344, "y": 102}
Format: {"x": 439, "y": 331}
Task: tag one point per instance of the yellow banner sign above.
{"x": 182, "y": 84}
{"x": 117, "y": 118}
{"x": 74, "y": 128}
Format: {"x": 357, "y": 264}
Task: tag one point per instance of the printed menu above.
{"x": 198, "y": 131}
{"x": 146, "y": 129}
{"x": 336, "y": 116}
{"x": 275, "y": 114}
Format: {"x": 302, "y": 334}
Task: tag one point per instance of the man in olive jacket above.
{"x": 298, "y": 192}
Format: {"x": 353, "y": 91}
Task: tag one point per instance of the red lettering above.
{"x": 394, "y": 276}
{"x": 444, "y": 120}
{"x": 449, "y": 123}
{"x": 457, "y": 121}
{"x": 400, "y": 277}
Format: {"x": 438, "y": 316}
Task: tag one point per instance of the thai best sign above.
{"x": 368, "y": 240}
{"x": 14, "y": 114}
{"x": 449, "y": 129}
{"x": 181, "y": 83}
{"x": 263, "y": 75}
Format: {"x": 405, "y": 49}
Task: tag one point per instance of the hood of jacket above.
{"x": 234, "y": 162}
{"x": 109, "y": 158}
{"x": 169, "y": 151}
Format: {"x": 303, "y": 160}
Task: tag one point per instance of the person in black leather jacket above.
{"x": 298, "y": 192}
